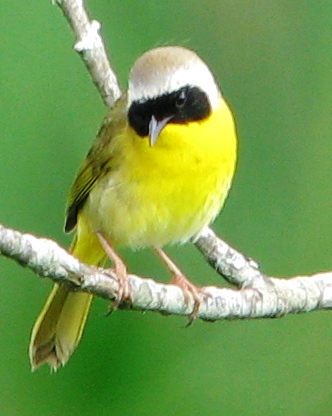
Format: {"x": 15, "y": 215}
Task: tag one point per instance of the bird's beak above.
{"x": 155, "y": 128}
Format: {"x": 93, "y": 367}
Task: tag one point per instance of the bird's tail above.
{"x": 59, "y": 327}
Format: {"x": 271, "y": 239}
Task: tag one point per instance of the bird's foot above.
{"x": 179, "y": 279}
{"x": 120, "y": 269}
{"x": 189, "y": 289}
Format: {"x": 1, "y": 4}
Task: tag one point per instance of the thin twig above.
{"x": 90, "y": 45}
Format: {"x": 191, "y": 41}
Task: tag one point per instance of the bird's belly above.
{"x": 156, "y": 211}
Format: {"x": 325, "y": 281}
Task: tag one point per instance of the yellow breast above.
{"x": 168, "y": 192}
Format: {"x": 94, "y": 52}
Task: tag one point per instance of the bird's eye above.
{"x": 181, "y": 99}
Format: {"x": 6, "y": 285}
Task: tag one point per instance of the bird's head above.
{"x": 169, "y": 85}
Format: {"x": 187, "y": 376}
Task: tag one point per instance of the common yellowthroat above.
{"x": 158, "y": 172}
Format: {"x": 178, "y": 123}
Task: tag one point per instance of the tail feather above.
{"x": 59, "y": 327}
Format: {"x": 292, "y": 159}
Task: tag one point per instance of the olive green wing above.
{"x": 84, "y": 182}
{"x": 97, "y": 163}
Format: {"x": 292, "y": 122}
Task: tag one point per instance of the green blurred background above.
{"x": 273, "y": 60}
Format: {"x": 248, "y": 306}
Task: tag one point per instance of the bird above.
{"x": 157, "y": 173}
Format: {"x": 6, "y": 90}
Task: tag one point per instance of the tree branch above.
{"x": 257, "y": 296}
{"x": 91, "y": 48}
{"x": 267, "y": 297}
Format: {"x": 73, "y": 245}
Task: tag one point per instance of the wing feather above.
{"x": 97, "y": 163}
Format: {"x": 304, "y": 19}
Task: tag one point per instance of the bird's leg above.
{"x": 179, "y": 279}
{"x": 120, "y": 269}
